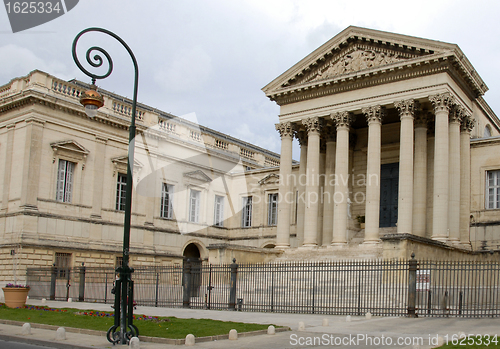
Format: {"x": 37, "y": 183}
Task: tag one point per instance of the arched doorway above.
{"x": 192, "y": 252}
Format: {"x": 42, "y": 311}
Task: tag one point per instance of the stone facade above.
{"x": 392, "y": 133}
{"x": 61, "y": 200}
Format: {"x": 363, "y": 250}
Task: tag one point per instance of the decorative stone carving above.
{"x": 355, "y": 59}
{"x": 442, "y": 102}
{"x": 313, "y": 124}
{"x": 301, "y": 136}
{"x": 285, "y": 129}
{"x": 457, "y": 113}
{"x": 343, "y": 118}
{"x": 422, "y": 118}
{"x": 467, "y": 123}
{"x": 374, "y": 114}
{"x": 407, "y": 108}
{"x": 70, "y": 150}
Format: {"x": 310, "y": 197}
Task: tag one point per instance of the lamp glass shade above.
{"x": 91, "y": 110}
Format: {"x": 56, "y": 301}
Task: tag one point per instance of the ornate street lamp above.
{"x": 92, "y": 100}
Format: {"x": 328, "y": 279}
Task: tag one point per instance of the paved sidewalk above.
{"x": 358, "y": 333}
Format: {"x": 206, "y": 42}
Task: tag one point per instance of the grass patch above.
{"x": 165, "y": 327}
{"x": 473, "y": 342}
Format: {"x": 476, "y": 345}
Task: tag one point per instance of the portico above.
{"x": 378, "y": 99}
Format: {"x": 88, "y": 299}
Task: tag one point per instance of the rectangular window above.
{"x": 63, "y": 263}
{"x": 121, "y": 191}
{"x": 219, "y": 211}
{"x": 272, "y": 211}
{"x": 194, "y": 206}
{"x": 167, "y": 193}
{"x": 493, "y": 189}
{"x": 247, "y": 212}
{"x": 119, "y": 262}
{"x": 65, "y": 181}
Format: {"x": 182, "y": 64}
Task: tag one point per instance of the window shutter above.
{"x": 60, "y": 180}
{"x": 69, "y": 181}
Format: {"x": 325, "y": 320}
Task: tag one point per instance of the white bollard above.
{"x": 233, "y": 334}
{"x": 190, "y": 340}
{"x": 348, "y": 318}
{"x": 368, "y": 316}
{"x": 271, "y": 330}
{"x": 440, "y": 341}
{"x": 26, "y": 330}
{"x": 135, "y": 343}
{"x": 60, "y": 334}
{"x": 302, "y": 326}
{"x": 70, "y": 300}
{"x": 325, "y": 322}
{"x": 44, "y": 300}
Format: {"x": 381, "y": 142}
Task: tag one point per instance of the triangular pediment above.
{"x": 122, "y": 161}
{"x": 359, "y": 53}
{"x": 71, "y": 146}
{"x": 272, "y": 178}
{"x": 198, "y": 175}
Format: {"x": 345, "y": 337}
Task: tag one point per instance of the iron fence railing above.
{"x": 381, "y": 287}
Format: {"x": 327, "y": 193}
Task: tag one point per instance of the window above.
{"x": 194, "y": 206}
{"x": 63, "y": 263}
{"x": 121, "y": 191}
{"x": 119, "y": 262}
{"x": 247, "y": 212}
{"x": 167, "y": 193}
{"x": 65, "y": 180}
{"x": 272, "y": 211}
{"x": 493, "y": 189}
{"x": 219, "y": 211}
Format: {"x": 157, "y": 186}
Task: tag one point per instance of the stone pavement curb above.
{"x": 42, "y": 342}
{"x": 142, "y": 338}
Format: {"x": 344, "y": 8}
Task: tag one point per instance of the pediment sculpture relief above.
{"x": 357, "y": 59}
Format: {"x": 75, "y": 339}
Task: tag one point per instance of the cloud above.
{"x": 18, "y": 61}
{"x": 188, "y": 70}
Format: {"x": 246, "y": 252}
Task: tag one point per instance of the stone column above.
{"x": 420, "y": 175}
{"x": 8, "y": 166}
{"x": 321, "y": 206}
{"x": 455, "y": 118}
{"x": 301, "y": 184}
{"x": 100, "y": 155}
{"x": 284, "y": 195}
{"x": 329, "y": 187}
{"x": 442, "y": 104}
{"x": 374, "y": 117}
{"x": 32, "y": 163}
{"x": 313, "y": 126}
{"x": 343, "y": 121}
{"x": 466, "y": 127}
{"x": 406, "y": 111}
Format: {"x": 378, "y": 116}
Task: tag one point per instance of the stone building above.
{"x": 63, "y": 179}
{"x": 394, "y": 132}
{"x": 202, "y": 194}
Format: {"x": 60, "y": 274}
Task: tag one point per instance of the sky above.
{"x": 209, "y": 59}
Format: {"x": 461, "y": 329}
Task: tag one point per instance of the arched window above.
{"x": 487, "y": 131}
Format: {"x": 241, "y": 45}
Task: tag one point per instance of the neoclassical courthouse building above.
{"x": 393, "y": 132}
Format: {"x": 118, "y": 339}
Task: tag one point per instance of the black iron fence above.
{"x": 389, "y": 288}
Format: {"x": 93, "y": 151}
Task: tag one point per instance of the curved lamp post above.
{"x": 123, "y": 328}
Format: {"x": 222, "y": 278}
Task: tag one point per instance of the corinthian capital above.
{"x": 313, "y": 124}
{"x": 285, "y": 129}
{"x": 442, "y": 101}
{"x": 457, "y": 113}
{"x": 467, "y": 123}
{"x": 407, "y": 108}
{"x": 374, "y": 114}
{"x": 343, "y": 118}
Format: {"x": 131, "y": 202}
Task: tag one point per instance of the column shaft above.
{"x": 312, "y": 188}
{"x": 467, "y": 125}
{"x": 420, "y": 178}
{"x": 442, "y": 103}
{"x": 343, "y": 121}
{"x": 301, "y": 204}
{"x": 372, "y": 204}
{"x": 405, "y": 197}
{"x": 283, "y": 228}
{"x": 329, "y": 192}
{"x": 454, "y": 177}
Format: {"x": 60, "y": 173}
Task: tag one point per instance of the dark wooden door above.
{"x": 389, "y": 178}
